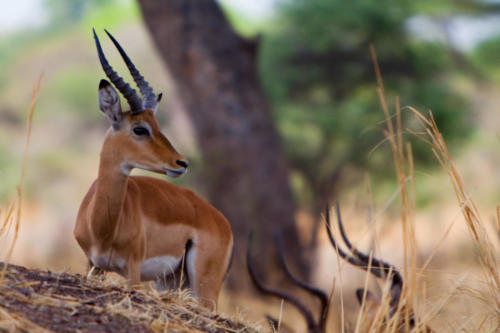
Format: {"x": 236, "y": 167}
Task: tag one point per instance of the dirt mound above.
{"x": 40, "y": 301}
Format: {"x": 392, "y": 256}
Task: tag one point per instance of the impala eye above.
{"x": 141, "y": 131}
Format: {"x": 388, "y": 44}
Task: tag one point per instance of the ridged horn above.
{"x": 377, "y": 267}
{"x": 128, "y": 92}
{"x": 147, "y": 92}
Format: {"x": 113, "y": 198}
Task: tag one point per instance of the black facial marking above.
{"x": 141, "y": 131}
{"x": 181, "y": 163}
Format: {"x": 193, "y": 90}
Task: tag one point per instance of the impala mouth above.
{"x": 174, "y": 173}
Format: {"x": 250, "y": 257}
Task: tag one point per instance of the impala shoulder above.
{"x": 87, "y": 199}
{"x": 81, "y": 230}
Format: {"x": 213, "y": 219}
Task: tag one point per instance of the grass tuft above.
{"x": 477, "y": 228}
{"x": 61, "y": 301}
{"x": 11, "y": 219}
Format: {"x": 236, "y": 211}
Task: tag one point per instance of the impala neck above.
{"x": 109, "y": 197}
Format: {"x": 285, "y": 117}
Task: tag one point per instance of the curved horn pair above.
{"x": 377, "y": 267}
{"x": 135, "y": 102}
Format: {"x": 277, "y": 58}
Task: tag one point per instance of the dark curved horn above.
{"x": 130, "y": 94}
{"x": 352, "y": 260}
{"x": 143, "y": 85}
{"x": 308, "y": 316}
{"x": 320, "y": 294}
{"x": 378, "y": 267}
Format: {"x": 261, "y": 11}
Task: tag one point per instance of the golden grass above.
{"x": 403, "y": 163}
{"x": 380, "y": 321}
{"x": 12, "y": 219}
{"x": 477, "y": 228}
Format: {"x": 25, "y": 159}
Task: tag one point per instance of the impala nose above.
{"x": 182, "y": 163}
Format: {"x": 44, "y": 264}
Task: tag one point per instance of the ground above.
{"x": 40, "y": 301}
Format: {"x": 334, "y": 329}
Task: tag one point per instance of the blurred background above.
{"x": 316, "y": 91}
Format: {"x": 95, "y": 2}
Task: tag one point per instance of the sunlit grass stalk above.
{"x": 487, "y": 255}
{"x": 16, "y": 220}
{"x": 403, "y": 163}
{"x": 6, "y": 220}
{"x": 340, "y": 266}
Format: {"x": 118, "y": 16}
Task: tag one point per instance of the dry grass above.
{"x": 14, "y": 218}
{"x": 381, "y": 321}
{"x": 486, "y": 254}
{"x": 414, "y": 298}
{"x": 39, "y": 301}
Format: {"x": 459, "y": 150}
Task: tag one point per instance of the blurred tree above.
{"x": 485, "y": 57}
{"x": 316, "y": 67}
{"x": 245, "y": 172}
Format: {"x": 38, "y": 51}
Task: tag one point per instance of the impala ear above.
{"x": 109, "y": 103}
{"x": 158, "y": 99}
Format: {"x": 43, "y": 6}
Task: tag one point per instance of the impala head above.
{"x": 135, "y": 138}
{"x": 381, "y": 270}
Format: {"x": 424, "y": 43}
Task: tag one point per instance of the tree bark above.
{"x": 244, "y": 168}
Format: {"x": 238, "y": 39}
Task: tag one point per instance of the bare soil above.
{"x": 38, "y": 301}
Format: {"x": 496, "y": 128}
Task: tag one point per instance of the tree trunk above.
{"x": 244, "y": 168}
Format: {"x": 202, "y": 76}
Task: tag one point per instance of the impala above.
{"x": 405, "y": 321}
{"x": 145, "y": 228}
{"x": 398, "y": 318}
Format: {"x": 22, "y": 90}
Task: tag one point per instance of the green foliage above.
{"x": 245, "y": 26}
{"x": 69, "y": 12}
{"x": 112, "y": 15}
{"x": 319, "y": 76}
{"x": 486, "y": 58}
{"x": 320, "y": 24}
